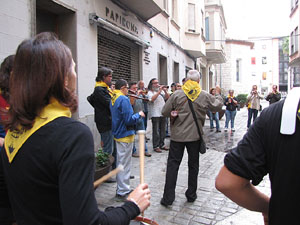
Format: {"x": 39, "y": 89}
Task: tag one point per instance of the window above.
{"x": 296, "y": 39}
{"x": 165, "y": 5}
{"x": 191, "y": 18}
{"x": 207, "y": 28}
{"x": 292, "y": 43}
{"x": 238, "y": 70}
{"x": 174, "y": 10}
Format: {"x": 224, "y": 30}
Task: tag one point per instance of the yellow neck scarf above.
{"x": 229, "y": 96}
{"x": 103, "y": 84}
{"x": 115, "y": 95}
{"x": 15, "y": 139}
{"x": 298, "y": 113}
{"x": 191, "y": 89}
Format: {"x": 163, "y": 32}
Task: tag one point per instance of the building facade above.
{"x": 294, "y": 60}
{"x": 157, "y": 39}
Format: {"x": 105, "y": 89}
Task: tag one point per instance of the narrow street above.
{"x": 211, "y": 207}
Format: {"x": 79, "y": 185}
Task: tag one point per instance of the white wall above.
{"x": 15, "y": 18}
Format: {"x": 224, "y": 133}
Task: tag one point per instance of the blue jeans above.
{"x": 251, "y": 112}
{"x": 212, "y": 117}
{"x": 230, "y": 115}
{"x": 107, "y": 139}
{"x": 139, "y": 126}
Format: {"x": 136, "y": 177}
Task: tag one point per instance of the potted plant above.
{"x": 242, "y": 99}
{"x": 103, "y": 163}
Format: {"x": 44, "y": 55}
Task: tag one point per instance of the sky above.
{"x": 256, "y": 18}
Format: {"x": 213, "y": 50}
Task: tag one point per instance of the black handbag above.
{"x": 203, "y": 147}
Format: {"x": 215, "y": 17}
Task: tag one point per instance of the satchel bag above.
{"x": 203, "y": 147}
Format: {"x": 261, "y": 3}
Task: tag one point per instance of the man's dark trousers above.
{"x": 174, "y": 160}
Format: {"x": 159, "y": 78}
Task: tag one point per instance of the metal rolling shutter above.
{"x": 118, "y": 53}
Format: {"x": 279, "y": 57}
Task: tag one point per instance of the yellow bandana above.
{"x": 115, "y": 95}
{"x": 15, "y": 139}
{"x": 191, "y": 89}
{"x": 229, "y": 96}
{"x": 103, "y": 84}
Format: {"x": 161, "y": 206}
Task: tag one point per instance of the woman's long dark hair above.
{"x": 41, "y": 67}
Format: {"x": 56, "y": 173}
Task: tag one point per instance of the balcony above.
{"x": 145, "y": 9}
{"x": 215, "y": 55}
{"x": 193, "y": 44}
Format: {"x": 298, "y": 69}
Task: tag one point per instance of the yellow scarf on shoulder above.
{"x": 191, "y": 89}
{"x": 115, "y": 95}
{"x": 103, "y": 84}
{"x": 298, "y": 113}
{"x": 16, "y": 138}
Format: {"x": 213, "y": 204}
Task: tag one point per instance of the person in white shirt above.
{"x": 157, "y": 95}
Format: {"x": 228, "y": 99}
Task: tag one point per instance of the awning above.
{"x": 146, "y": 9}
{"x": 113, "y": 28}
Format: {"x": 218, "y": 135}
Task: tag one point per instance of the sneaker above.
{"x": 218, "y": 131}
{"x": 211, "y": 129}
{"x": 225, "y": 129}
{"x": 233, "y": 130}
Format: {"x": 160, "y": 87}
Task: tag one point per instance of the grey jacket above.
{"x": 184, "y": 129}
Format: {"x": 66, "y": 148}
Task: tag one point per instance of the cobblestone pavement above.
{"x": 211, "y": 207}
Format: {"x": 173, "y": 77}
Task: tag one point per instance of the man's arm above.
{"x": 241, "y": 191}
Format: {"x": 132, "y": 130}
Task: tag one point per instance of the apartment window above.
{"x": 292, "y": 43}
{"x": 191, "y": 18}
{"x": 175, "y": 10}
{"x": 238, "y": 70}
{"x": 296, "y": 38}
{"x": 207, "y": 28}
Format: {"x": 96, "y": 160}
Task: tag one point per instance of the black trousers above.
{"x": 174, "y": 159}
{"x": 158, "y": 131}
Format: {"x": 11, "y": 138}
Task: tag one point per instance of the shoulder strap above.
{"x": 194, "y": 115}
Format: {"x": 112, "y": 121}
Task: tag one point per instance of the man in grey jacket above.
{"x": 184, "y": 133}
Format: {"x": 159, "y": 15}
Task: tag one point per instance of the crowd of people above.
{"x": 47, "y": 158}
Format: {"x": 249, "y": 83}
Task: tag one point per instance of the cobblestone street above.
{"x": 211, "y": 207}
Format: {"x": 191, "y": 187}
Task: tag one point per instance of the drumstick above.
{"x": 141, "y": 134}
{"x": 107, "y": 176}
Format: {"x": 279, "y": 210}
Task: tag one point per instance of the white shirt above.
{"x": 156, "y": 106}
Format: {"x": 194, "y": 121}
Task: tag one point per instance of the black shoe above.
{"x": 131, "y": 177}
{"x": 191, "y": 199}
{"x": 162, "y": 202}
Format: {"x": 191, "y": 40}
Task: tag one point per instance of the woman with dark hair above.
{"x": 6, "y": 215}
{"x": 48, "y": 161}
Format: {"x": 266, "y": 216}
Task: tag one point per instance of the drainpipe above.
{"x": 220, "y": 75}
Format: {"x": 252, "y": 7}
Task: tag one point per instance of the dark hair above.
{"x": 41, "y": 67}
{"x": 183, "y": 79}
{"x": 211, "y": 90}
{"x": 150, "y": 83}
{"x": 103, "y": 72}
{"x": 5, "y": 70}
{"x": 132, "y": 83}
{"x": 173, "y": 84}
{"x": 120, "y": 83}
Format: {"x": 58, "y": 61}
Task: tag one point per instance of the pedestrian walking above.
{"x": 271, "y": 146}
{"x": 48, "y": 160}
{"x": 273, "y": 96}
{"x": 157, "y": 95}
{"x": 253, "y": 104}
{"x": 214, "y": 115}
{"x": 184, "y": 133}
{"x": 230, "y": 113}
{"x": 123, "y": 122}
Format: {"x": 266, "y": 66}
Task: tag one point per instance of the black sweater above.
{"x": 50, "y": 180}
